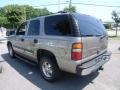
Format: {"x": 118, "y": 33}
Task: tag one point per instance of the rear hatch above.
{"x": 94, "y": 36}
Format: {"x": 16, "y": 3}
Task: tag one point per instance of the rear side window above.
{"x": 57, "y": 25}
{"x": 34, "y": 27}
{"x": 89, "y": 26}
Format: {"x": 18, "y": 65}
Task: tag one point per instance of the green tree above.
{"x": 2, "y": 12}
{"x": 70, "y": 9}
{"x": 12, "y": 15}
{"x": 35, "y": 12}
{"x": 15, "y": 15}
{"x": 3, "y": 21}
{"x": 116, "y": 18}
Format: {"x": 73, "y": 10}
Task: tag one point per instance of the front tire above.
{"x": 11, "y": 51}
{"x": 49, "y": 69}
{"x": 1, "y": 69}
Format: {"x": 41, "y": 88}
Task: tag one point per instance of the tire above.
{"x": 11, "y": 51}
{"x": 1, "y": 70}
{"x": 49, "y": 69}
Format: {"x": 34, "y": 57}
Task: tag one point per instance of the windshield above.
{"x": 89, "y": 26}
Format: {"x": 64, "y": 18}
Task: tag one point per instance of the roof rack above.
{"x": 61, "y": 12}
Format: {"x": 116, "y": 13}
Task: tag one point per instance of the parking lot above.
{"x": 18, "y": 75}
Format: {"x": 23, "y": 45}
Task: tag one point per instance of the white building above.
{"x": 2, "y": 31}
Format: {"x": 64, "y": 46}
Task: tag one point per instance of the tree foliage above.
{"x": 31, "y": 12}
{"x": 71, "y": 9}
{"x": 13, "y": 15}
{"x": 3, "y": 21}
{"x": 116, "y": 18}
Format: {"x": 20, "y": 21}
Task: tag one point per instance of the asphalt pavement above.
{"x": 18, "y": 75}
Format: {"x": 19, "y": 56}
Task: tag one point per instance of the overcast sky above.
{"x": 100, "y": 12}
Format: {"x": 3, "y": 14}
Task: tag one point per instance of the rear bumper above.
{"x": 93, "y": 65}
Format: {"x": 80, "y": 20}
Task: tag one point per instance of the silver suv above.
{"x": 70, "y": 42}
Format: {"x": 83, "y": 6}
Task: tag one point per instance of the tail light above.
{"x": 76, "y": 52}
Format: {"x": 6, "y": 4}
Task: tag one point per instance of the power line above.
{"x": 90, "y": 4}
{"x": 99, "y": 2}
{"x": 96, "y": 5}
{"x": 50, "y": 4}
{"x": 70, "y": 3}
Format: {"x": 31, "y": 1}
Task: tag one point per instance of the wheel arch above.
{"x": 41, "y": 52}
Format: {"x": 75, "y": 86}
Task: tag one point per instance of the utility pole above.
{"x": 70, "y": 2}
{"x": 58, "y": 5}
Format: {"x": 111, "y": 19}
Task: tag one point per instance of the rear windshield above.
{"x": 89, "y": 26}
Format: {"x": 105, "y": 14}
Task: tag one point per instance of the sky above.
{"x": 103, "y": 13}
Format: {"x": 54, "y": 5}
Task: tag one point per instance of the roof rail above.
{"x": 59, "y": 12}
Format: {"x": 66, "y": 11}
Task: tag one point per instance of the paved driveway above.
{"x": 18, "y": 75}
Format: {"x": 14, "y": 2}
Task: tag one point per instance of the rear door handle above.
{"x": 35, "y": 41}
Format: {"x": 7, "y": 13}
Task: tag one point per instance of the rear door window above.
{"x": 34, "y": 27}
{"x": 57, "y": 25}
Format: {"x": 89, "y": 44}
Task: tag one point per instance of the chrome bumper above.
{"x": 94, "y": 64}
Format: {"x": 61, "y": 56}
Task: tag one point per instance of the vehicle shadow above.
{"x": 68, "y": 81}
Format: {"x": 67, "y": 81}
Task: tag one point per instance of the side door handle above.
{"x": 22, "y": 39}
{"x": 35, "y": 41}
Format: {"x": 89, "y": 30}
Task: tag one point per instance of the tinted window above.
{"x": 34, "y": 27}
{"x": 89, "y": 25}
{"x": 21, "y": 30}
{"x": 57, "y": 25}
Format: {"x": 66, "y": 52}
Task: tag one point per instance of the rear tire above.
{"x": 11, "y": 51}
{"x": 49, "y": 69}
